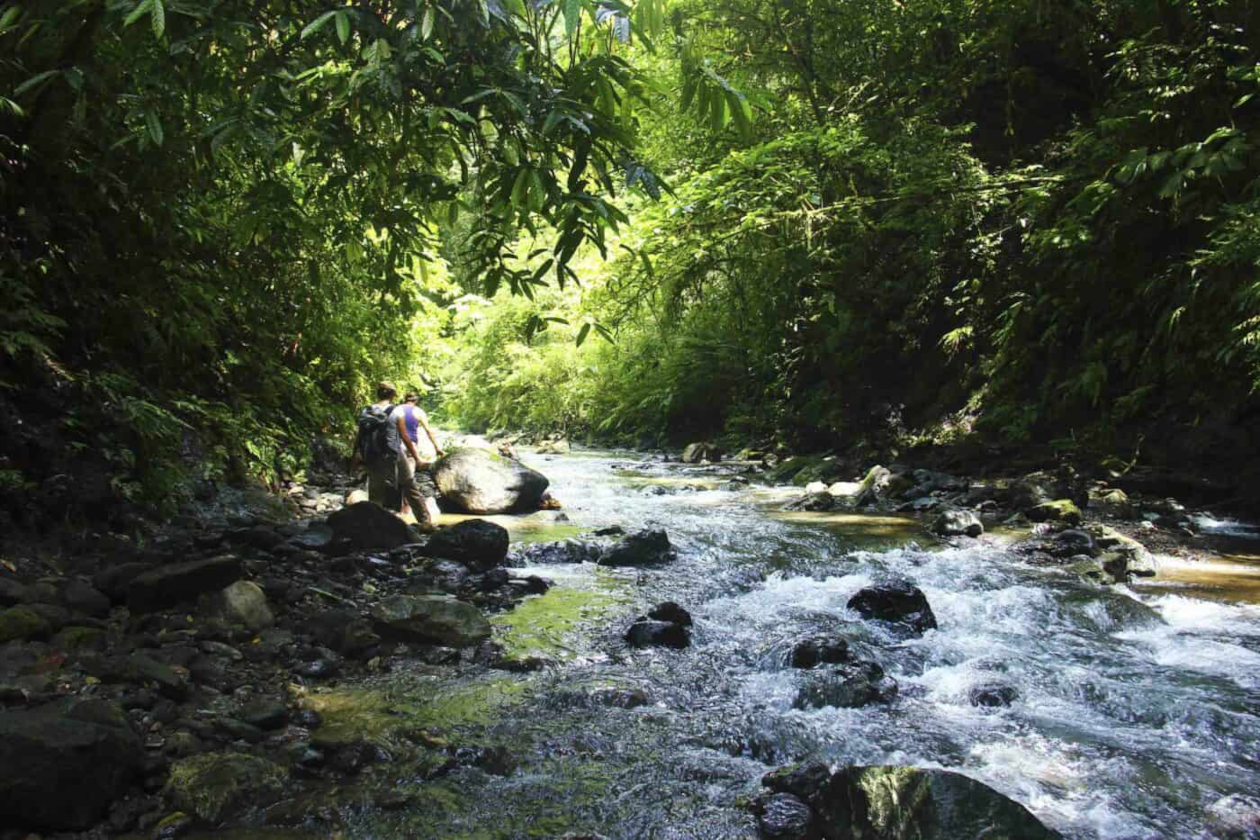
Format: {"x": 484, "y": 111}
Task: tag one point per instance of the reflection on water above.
{"x": 1135, "y": 711}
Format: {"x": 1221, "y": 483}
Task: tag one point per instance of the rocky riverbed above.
{"x": 636, "y": 664}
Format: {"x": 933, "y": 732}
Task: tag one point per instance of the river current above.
{"x": 1137, "y": 711}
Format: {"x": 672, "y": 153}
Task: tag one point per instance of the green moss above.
{"x": 544, "y": 626}
{"x": 386, "y": 716}
{"x": 22, "y": 623}
{"x": 213, "y": 785}
{"x": 1062, "y": 510}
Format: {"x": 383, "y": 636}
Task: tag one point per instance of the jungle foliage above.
{"x": 1024, "y": 220}
{"x": 222, "y": 218}
{"x": 823, "y": 221}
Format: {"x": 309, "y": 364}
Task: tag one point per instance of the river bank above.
{"x": 556, "y": 725}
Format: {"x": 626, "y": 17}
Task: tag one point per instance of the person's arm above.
{"x": 437, "y": 447}
{"x": 402, "y": 433}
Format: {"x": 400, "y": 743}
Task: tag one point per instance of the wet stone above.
{"x": 643, "y": 634}
{"x": 781, "y": 816}
{"x": 475, "y": 543}
{"x": 669, "y": 611}
{"x": 992, "y": 695}
{"x": 820, "y": 650}
{"x": 265, "y": 715}
{"x": 897, "y": 603}
{"x": 644, "y": 548}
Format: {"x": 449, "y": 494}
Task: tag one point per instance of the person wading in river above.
{"x": 381, "y": 444}
{"x": 410, "y": 467}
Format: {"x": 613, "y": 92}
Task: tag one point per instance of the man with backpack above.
{"x": 380, "y": 446}
{"x": 414, "y": 420}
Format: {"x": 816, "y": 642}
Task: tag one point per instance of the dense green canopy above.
{"x": 826, "y": 221}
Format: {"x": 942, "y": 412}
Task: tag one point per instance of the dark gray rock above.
{"x": 166, "y": 586}
{"x": 820, "y": 650}
{"x": 61, "y": 768}
{"x": 896, "y": 603}
{"x": 781, "y": 816}
{"x": 477, "y": 544}
{"x": 568, "y": 551}
{"x": 115, "y": 580}
{"x": 314, "y": 538}
{"x": 265, "y": 714}
{"x": 848, "y": 686}
{"x": 669, "y": 611}
{"x": 85, "y": 598}
{"x": 992, "y": 695}
{"x": 12, "y": 592}
{"x": 644, "y": 634}
{"x": 366, "y": 526}
{"x": 643, "y": 548}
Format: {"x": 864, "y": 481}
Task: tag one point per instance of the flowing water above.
{"x": 1136, "y": 712}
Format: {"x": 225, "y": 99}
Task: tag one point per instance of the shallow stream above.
{"x": 1137, "y": 710}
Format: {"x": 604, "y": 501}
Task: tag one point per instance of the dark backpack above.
{"x": 373, "y": 442}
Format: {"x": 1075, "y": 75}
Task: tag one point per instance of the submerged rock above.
{"x": 366, "y": 526}
{"x": 477, "y": 481}
{"x": 849, "y": 686}
{"x": 477, "y": 544}
{"x": 432, "y": 619}
{"x": 957, "y": 523}
{"x": 214, "y": 786}
{"x": 643, "y": 548}
{"x": 898, "y": 602}
{"x": 166, "y": 586}
{"x": 61, "y": 768}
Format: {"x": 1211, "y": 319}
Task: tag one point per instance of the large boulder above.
{"x": 214, "y": 786}
{"x": 432, "y": 619}
{"x": 166, "y": 586}
{"x": 782, "y": 816}
{"x": 477, "y": 481}
{"x": 1138, "y": 560}
{"x": 366, "y": 526}
{"x": 642, "y": 548}
{"x": 874, "y": 487}
{"x": 904, "y": 802}
{"x": 897, "y": 603}
{"x": 60, "y": 768}
{"x": 477, "y": 544}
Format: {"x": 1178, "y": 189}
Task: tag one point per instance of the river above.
{"x": 1136, "y": 710}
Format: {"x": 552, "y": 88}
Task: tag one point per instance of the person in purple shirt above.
{"x": 426, "y": 447}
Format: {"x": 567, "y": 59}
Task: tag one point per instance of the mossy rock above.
{"x": 1061, "y": 510}
{"x": 22, "y": 623}
{"x": 213, "y": 786}
{"x": 76, "y": 639}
